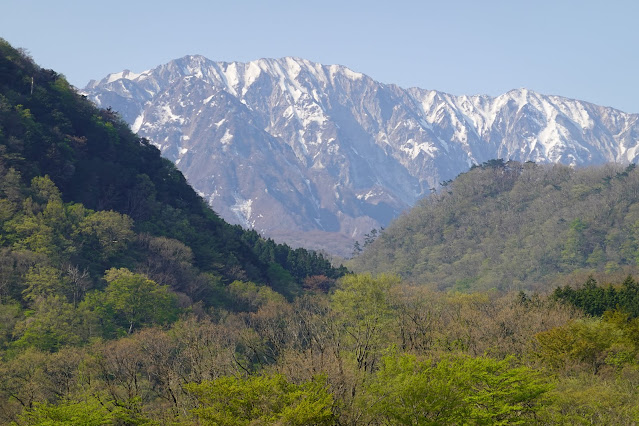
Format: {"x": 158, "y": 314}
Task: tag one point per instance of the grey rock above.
{"x": 319, "y": 155}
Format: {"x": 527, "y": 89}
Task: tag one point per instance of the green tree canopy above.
{"x": 456, "y": 390}
{"x": 131, "y": 301}
{"x": 264, "y": 399}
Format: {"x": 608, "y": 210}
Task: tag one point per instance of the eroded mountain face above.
{"x": 319, "y": 155}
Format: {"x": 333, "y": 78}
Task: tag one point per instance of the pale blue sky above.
{"x": 583, "y": 49}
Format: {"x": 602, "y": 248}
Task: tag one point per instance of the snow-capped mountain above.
{"x": 320, "y": 155}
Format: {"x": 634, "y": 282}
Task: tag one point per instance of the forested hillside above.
{"x": 513, "y": 226}
{"x": 80, "y": 189}
{"x": 125, "y": 301}
{"x": 93, "y": 221}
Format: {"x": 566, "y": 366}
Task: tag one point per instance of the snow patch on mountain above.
{"x": 322, "y": 147}
{"x": 227, "y": 138}
{"x": 243, "y": 210}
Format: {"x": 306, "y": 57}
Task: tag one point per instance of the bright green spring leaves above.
{"x": 90, "y": 411}
{"x": 594, "y": 344}
{"x": 262, "y": 399}
{"x": 455, "y": 390}
{"x": 363, "y": 306}
{"x": 131, "y": 301}
{"x": 597, "y": 360}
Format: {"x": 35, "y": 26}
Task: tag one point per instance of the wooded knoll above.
{"x": 513, "y": 226}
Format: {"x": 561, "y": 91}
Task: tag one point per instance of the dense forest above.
{"x": 514, "y": 226}
{"x": 373, "y": 351}
{"x": 124, "y": 300}
{"x": 80, "y": 189}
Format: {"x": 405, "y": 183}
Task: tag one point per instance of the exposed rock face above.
{"x": 319, "y": 155}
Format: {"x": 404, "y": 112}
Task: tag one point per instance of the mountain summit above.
{"x": 319, "y": 154}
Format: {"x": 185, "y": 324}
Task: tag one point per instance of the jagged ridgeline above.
{"x": 511, "y": 226}
{"x": 80, "y": 192}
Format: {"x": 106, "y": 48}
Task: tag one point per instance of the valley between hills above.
{"x": 507, "y": 294}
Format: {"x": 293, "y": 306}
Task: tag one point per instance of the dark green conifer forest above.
{"x": 508, "y": 298}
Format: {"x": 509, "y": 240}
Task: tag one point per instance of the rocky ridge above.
{"x": 318, "y": 155}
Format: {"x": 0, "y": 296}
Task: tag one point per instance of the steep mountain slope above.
{"x": 287, "y": 146}
{"x": 515, "y": 226}
{"x": 92, "y": 160}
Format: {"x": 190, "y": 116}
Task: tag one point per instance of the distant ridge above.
{"x": 320, "y": 155}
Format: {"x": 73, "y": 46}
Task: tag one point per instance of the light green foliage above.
{"x": 45, "y": 225}
{"x": 597, "y": 257}
{"x": 573, "y": 252}
{"x": 23, "y": 379}
{"x": 51, "y": 324}
{"x": 264, "y": 399}
{"x": 591, "y": 344}
{"x": 137, "y": 299}
{"x": 586, "y": 400}
{"x": 42, "y": 281}
{"x": 364, "y": 297}
{"x": 363, "y": 306}
{"x": 10, "y": 313}
{"x": 44, "y": 190}
{"x": 107, "y": 232}
{"x": 455, "y": 390}
{"x": 251, "y": 296}
{"x": 7, "y": 210}
{"x": 90, "y": 411}
{"x": 513, "y": 226}
{"x": 131, "y": 301}
{"x": 29, "y": 232}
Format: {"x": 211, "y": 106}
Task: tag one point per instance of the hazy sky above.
{"x": 581, "y": 49}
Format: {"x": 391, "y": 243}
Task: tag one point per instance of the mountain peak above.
{"x": 329, "y": 153}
